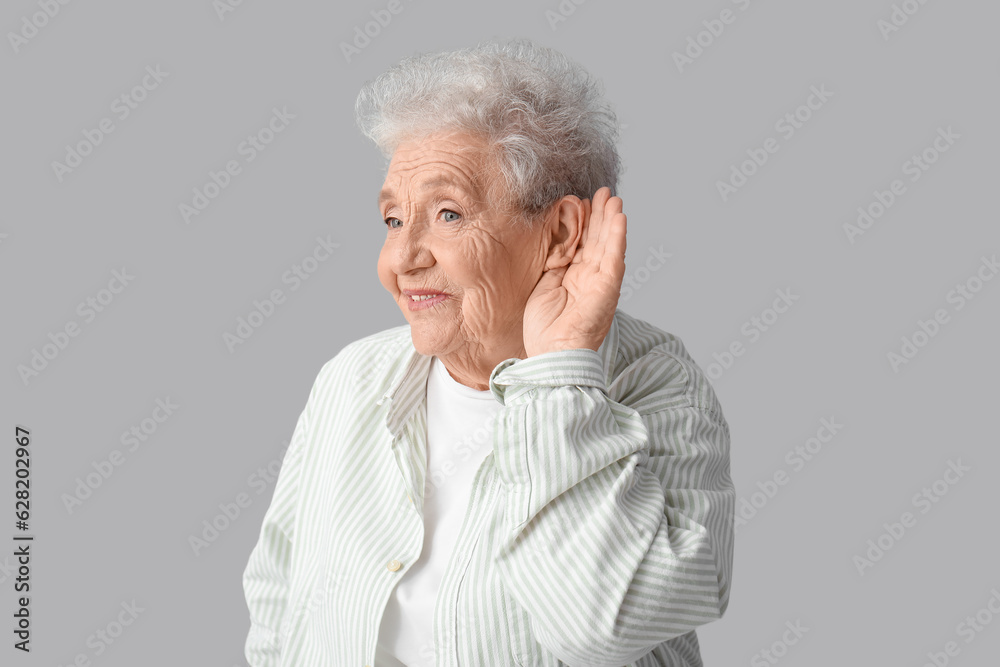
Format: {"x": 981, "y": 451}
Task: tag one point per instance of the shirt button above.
{"x": 394, "y": 565}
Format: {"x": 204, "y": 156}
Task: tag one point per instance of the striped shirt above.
{"x": 599, "y": 531}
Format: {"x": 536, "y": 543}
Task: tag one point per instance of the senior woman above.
{"x": 522, "y": 474}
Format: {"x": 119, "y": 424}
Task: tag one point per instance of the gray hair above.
{"x": 548, "y": 131}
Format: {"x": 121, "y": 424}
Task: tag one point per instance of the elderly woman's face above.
{"x": 444, "y": 238}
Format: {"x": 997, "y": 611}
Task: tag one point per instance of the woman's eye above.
{"x": 388, "y": 222}
{"x": 446, "y": 213}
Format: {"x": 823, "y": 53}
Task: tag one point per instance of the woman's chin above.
{"x": 431, "y": 342}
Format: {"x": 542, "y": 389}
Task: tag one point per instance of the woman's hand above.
{"x": 573, "y": 306}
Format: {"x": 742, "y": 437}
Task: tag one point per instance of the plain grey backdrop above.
{"x": 862, "y": 399}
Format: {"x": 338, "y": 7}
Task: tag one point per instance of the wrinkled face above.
{"x": 445, "y": 240}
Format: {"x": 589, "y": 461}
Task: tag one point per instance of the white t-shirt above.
{"x": 459, "y": 437}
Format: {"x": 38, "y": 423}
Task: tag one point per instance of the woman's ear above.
{"x": 564, "y": 225}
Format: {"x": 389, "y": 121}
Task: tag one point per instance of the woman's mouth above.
{"x": 422, "y": 301}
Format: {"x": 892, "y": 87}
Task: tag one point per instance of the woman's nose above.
{"x": 411, "y": 251}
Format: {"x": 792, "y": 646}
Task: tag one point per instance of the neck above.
{"x": 475, "y": 371}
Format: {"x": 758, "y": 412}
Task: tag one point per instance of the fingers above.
{"x": 604, "y": 224}
{"x": 612, "y": 207}
{"x": 614, "y": 253}
{"x": 587, "y": 212}
{"x": 609, "y": 231}
{"x": 606, "y": 208}
{"x": 600, "y": 202}
{"x": 592, "y": 231}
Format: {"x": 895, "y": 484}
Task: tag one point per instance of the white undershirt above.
{"x": 459, "y": 438}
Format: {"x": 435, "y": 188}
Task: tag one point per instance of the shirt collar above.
{"x": 409, "y": 386}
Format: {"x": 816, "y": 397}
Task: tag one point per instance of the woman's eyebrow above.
{"x": 389, "y": 193}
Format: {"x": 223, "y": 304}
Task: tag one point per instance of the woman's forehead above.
{"x": 424, "y": 166}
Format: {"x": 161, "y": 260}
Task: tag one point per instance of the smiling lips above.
{"x": 422, "y": 298}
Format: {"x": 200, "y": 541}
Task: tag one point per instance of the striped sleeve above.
{"x": 619, "y": 520}
{"x": 266, "y": 577}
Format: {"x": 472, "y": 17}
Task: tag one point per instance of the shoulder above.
{"x": 654, "y": 370}
{"x": 366, "y": 365}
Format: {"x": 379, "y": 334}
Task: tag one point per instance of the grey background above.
{"x": 826, "y": 357}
